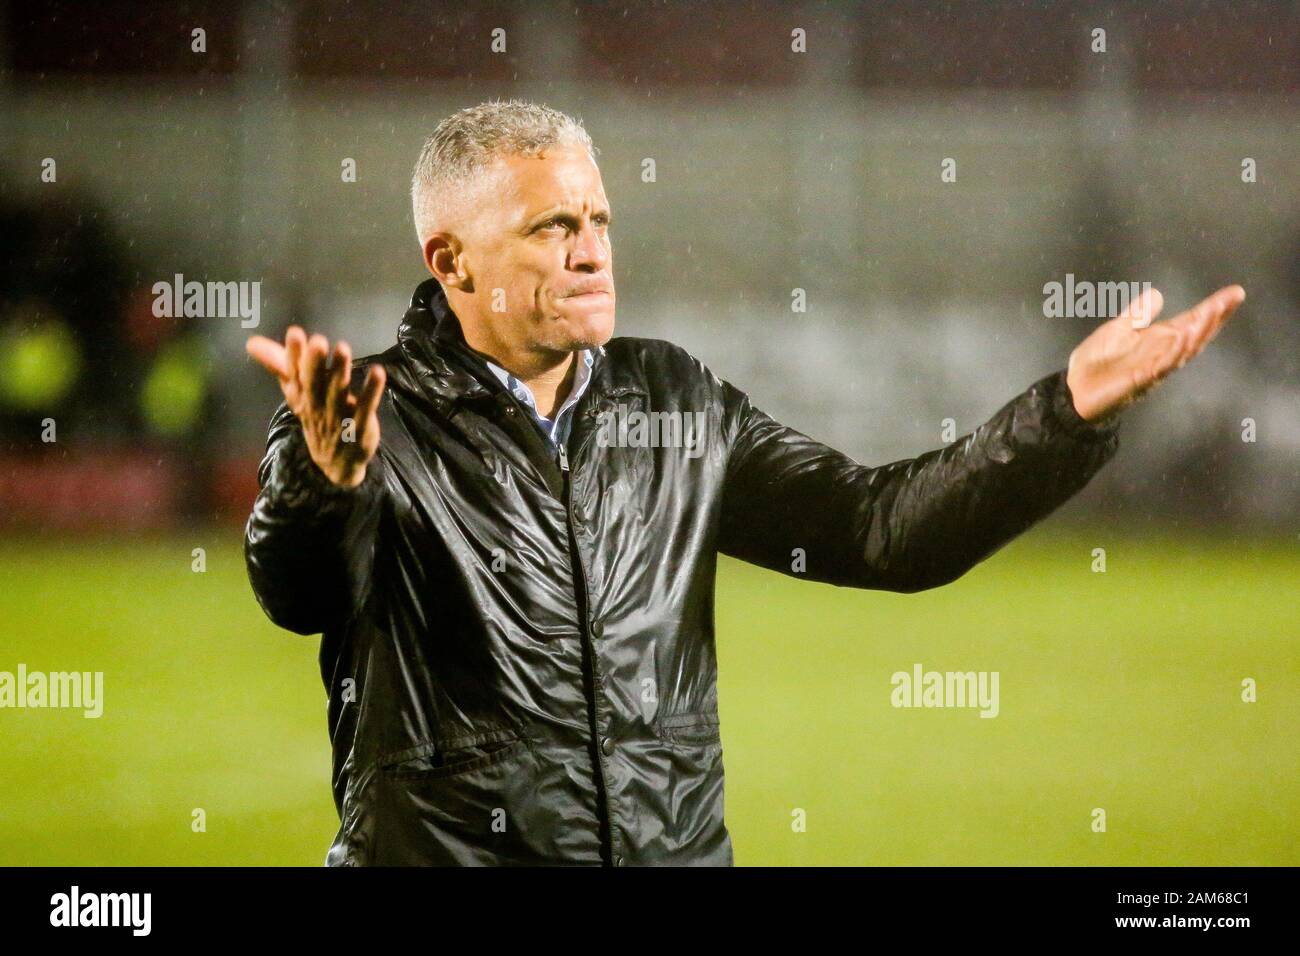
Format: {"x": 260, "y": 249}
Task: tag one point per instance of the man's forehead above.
{"x": 559, "y": 177}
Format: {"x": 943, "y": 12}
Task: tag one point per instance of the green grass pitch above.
{"x": 1119, "y": 691}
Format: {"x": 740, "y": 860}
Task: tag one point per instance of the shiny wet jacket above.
{"x": 518, "y": 641}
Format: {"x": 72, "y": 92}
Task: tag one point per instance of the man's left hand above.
{"x": 1128, "y": 356}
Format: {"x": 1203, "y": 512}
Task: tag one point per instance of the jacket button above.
{"x": 597, "y": 630}
{"x": 510, "y": 410}
{"x": 607, "y": 746}
{"x": 618, "y": 860}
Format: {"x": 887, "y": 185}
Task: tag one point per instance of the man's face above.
{"x": 541, "y": 237}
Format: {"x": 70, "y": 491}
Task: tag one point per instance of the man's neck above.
{"x": 552, "y": 386}
{"x": 549, "y": 376}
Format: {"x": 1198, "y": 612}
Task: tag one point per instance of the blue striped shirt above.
{"x": 558, "y": 426}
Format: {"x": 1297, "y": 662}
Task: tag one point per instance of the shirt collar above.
{"x": 582, "y": 377}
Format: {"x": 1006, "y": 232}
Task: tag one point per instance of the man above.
{"x": 515, "y": 591}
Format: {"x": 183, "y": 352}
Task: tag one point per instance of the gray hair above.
{"x": 469, "y": 140}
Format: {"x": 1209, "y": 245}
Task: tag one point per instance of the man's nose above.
{"x": 589, "y": 251}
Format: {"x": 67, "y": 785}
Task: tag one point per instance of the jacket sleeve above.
{"x": 309, "y": 544}
{"x": 914, "y": 524}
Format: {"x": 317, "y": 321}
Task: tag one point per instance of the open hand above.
{"x": 1128, "y": 356}
{"x": 342, "y": 429}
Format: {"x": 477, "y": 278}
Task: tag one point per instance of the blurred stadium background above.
{"x": 775, "y": 171}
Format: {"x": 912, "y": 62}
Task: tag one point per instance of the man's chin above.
{"x": 589, "y": 335}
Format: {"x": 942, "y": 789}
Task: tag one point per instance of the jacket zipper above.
{"x": 584, "y": 597}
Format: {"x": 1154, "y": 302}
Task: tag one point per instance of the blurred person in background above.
{"x": 91, "y": 376}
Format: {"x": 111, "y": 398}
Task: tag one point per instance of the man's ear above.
{"x": 444, "y": 257}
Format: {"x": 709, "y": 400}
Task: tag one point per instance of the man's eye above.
{"x": 600, "y": 221}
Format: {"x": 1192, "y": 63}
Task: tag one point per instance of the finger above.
{"x": 1141, "y": 312}
{"x": 270, "y": 354}
{"x": 295, "y": 343}
{"x": 1204, "y": 327}
{"x": 1203, "y": 320}
{"x": 1167, "y": 346}
{"x": 340, "y": 375}
{"x": 368, "y": 404}
{"x": 1234, "y": 299}
{"x": 300, "y": 368}
{"x": 1154, "y": 355}
{"x": 314, "y": 378}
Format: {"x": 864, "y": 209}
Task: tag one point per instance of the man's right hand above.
{"x": 322, "y": 399}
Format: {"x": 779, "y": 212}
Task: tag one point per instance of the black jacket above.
{"x": 518, "y": 645}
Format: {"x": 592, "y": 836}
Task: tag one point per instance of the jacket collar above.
{"x": 431, "y": 339}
